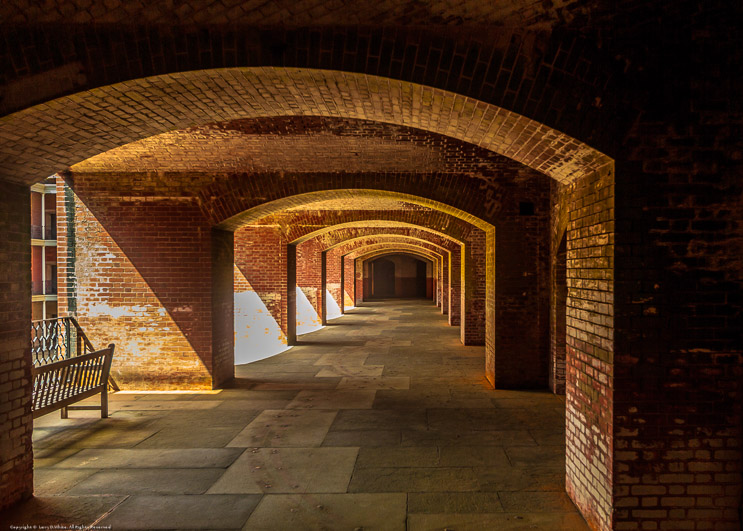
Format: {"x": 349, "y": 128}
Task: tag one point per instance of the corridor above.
{"x": 381, "y": 420}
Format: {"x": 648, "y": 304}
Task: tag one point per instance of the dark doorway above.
{"x": 420, "y": 278}
{"x": 383, "y": 278}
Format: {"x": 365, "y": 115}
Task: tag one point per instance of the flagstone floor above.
{"x": 381, "y": 420}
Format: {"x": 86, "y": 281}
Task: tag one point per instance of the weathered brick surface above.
{"x": 679, "y": 359}
{"x": 349, "y": 280}
{"x": 261, "y": 267}
{"x": 16, "y": 455}
{"x": 452, "y": 284}
{"x": 139, "y": 270}
{"x": 293, "y": 13}
{"x": 309, "y": 276}
{"x": 590, "y": 348}
{"x": 539, "y": 75}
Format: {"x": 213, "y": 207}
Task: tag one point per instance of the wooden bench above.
{"x": 59, "y": 384}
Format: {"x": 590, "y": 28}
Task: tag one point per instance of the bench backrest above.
{"x": 61, "y": 383}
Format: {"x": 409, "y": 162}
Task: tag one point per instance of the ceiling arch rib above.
{"x": 391, "y": 239}
{"x": 393, "y": 247}
{"x": 347, "y": 196}
{"x": 55, "y": 135}
{"x": 386, "y": 252}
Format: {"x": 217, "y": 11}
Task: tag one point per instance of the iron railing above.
{"x": 60, "y": 339}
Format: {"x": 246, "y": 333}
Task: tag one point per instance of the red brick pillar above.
{"x": 261, "y": 271}
{"x": 678, "y": 361}
{"x": 16, "y": 454}
{"x": 445, "y": 292}
{"x": 310, "y": 279}
{"x": 455, "y": 286}
{"x": 589, "y": 401}
{"x": 472, "y": 296}
{"x": 333, "y": 281}
{"x": 291, "y": 294}
{"x": 359, "y": 276}
{"x": 223, "y": 317}
{"x": 349, "y": 281}
{"x": 146, "y": 286}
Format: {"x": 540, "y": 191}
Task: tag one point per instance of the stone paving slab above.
{"x": 288, "y": 470}
{"x": 333, "y": 399}
{"x": 370, "y": 419}
{"x": 213, "y": 511}
{"x": 53, "y": 482}
{"x": 286, "y": 428}
{"x": 355, "y": 371}
{"x": 149, "y": 481}
{"x": 380, "y": 382}
{"x": 496, "y": 521}
{"x": 383, "y": 512}
{"x": 424, "y": 437}
{"x": 454, "y": 502}
{"x": 379, "y": 457}
{"x": 146, "y": 458}
{"x": 362, "y": 438}
{"x": 60, "y": 511}
{"x": 405, "y": 479}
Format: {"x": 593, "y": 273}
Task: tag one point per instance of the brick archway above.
{"x": 41, "y": 134}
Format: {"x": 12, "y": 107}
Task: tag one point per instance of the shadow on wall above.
{"x": 307, "y": 318}
{"x": 347, "y": 301}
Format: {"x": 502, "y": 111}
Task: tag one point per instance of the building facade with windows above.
{"x": 44, "y": 250}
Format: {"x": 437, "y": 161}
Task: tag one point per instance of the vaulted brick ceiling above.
{"x": 525, "y": 13}
{"x": 302, "y": 144}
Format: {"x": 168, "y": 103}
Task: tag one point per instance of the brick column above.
{"x": 291, "y": 294}
{"x": 310, "y": 278}
{"x": 455, "y": 286}
{"x": 138, "y": 272}
{"x": 589, "y": 406}
{"x": 349, "y": 281}
{"x": 445, "y": 291}
{"x": 260, "y": 280}
{"x": 333, "y": 280}
{"x": 223, "y": 317}
{"x": 472, "y": 293}
{"x": 359, "y": 276}
{"x": 16, "y": 426}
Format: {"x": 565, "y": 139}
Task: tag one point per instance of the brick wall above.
{"x": 454, "y": 284}
{"x": 16, "y": 455}
{"x": 261, "y": 262}
{"x": 333, "y": 283}
{"x": 309, "y": 279}
{"x": 443, "y": 302}
{"x": 137, "y": 272}
{"x": 472, "y": 290}
{"x": 679, "y": 363}
{"x": 349, "y": 281}
{"x": 590, "y": 348}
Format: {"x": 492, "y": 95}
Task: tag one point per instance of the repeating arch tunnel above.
{"x": 459, "y": 209}
{"x": 276, "y": 170}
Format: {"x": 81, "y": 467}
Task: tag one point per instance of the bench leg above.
{"x": 63, "y": 413}
{"x": 104, "y": 403}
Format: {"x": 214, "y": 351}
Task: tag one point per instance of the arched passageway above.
{"x": 503, "y": 276}
{"x": 459, "y": 92}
